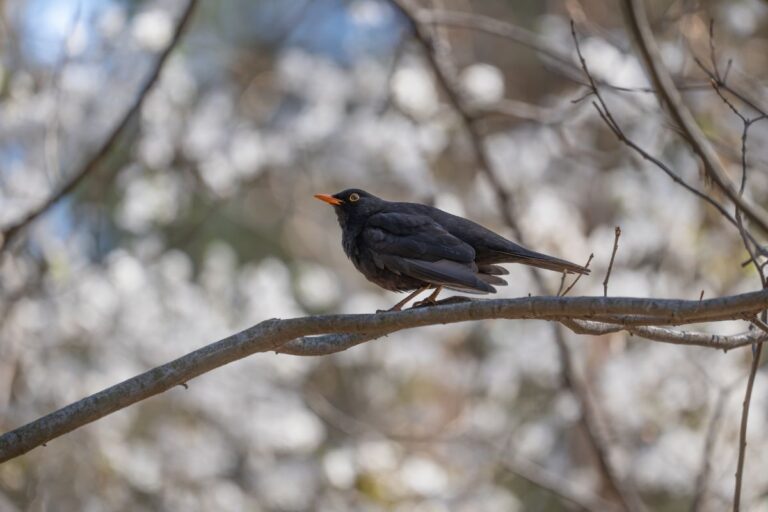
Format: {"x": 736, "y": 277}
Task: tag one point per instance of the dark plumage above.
{"x": 410, "y": 246}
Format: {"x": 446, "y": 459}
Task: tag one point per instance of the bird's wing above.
{"x": 417, "y": 246}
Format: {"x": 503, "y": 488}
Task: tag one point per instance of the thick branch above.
{"x": 12, "y": 231}
{"x": 273, "y": 334}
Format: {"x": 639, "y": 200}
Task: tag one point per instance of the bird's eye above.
{"x": 354, "y": 197}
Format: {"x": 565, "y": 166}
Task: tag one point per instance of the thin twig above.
{"x": 602, "y": 109}
{"x": 560, "y": 58}
{"x": 12, "y": 231}
{"x": 743, "y": 426}
{"x": 760, "y": 323}
{"x": 730, "y": 105}
{"x": 702, "y": 480}
{"x": 693, "y": 135}
{"x": 724, "y": 85}
{"x": 561, "y": 487}
{"x": 717, "y": 82}
{"x": 712, "y": 57}
{"x": 617, "y": 234}
{"x": 586, "y": 265}
{"x": 637, "y": 23}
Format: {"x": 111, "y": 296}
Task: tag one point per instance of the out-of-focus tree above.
{"x": 177, "y": 211}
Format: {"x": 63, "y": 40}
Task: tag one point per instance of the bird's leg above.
{"x": 399, "y": 305}
{"x": 431, "y": 300}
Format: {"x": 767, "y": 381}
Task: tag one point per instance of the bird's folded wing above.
{"x": 418, "y": 247}
{"x": 450, "y": 274}
{"x": 415, "y": 236}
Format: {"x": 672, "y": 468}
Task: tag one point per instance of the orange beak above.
{"x": 329, "y": 199}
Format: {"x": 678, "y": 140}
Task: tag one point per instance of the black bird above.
{"x": 411, "y": 246}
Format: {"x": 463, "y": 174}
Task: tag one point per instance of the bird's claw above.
{"x": 424, "y": 303}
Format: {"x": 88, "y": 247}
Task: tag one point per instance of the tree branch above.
{"x": 12, "y": 231}
{"x": 702, "y": 480}
{"x": 567, "y": 490}
{"x": 617, "y": 234}
{"x": 605, "y": 114}
{"x": 637, "y": 22}
{"x": 275, "y": 334}
{"x": 445, "y": 76}
{"x": 499, "y": 28}
{"x": 667, "y": 335}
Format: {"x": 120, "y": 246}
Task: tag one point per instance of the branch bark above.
{"x": 275, "y": 334}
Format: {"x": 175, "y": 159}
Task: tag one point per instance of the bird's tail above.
{"x": 539, "y": 260}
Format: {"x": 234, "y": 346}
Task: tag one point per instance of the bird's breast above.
{"x": 350, "y": 244}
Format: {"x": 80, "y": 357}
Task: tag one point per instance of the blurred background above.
{"x": 200, "y": 221}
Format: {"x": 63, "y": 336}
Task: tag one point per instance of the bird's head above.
{"x": 352, "y": 203}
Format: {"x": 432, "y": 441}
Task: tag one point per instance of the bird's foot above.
{"x": 424, "y": 303}
{"x": 443, "y": 302}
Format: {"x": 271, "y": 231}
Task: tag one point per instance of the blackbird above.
{"x": 411, "y": 246}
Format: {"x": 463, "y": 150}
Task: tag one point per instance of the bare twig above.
{"x": 593, "y": 425}
{"x": 521, "y": 110}
{"x": 51, "y": 141}
{"x": 702, "y": 480}
{"x": 394, "y": 63}
{"x": 447, "y": 82}
{"x": 8, "y": 234}
{"x": 750, "y": 244}
{"x": 712, "y": 57}
{"x": 747, "y": 240}
{"x": 499, "y": 28}
{"x": 617, "y": 234}
{"x": 559, "y": 486}
{"x": 276, "y": 334}
{"x": 605, "y": 113}
{"x": 760, "y": 323}
{"x": 637, "y": 23}
{"x": 559, "y": 57}
{"x": 724, "y": 85}
{"x": 743, "y": 427}
{"x": 730, "y": 105}
{"x": 667, "y": 335}
{"x": 586, "y": 265}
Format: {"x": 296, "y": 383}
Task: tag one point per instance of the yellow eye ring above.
{"x": 354, "y": 197}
